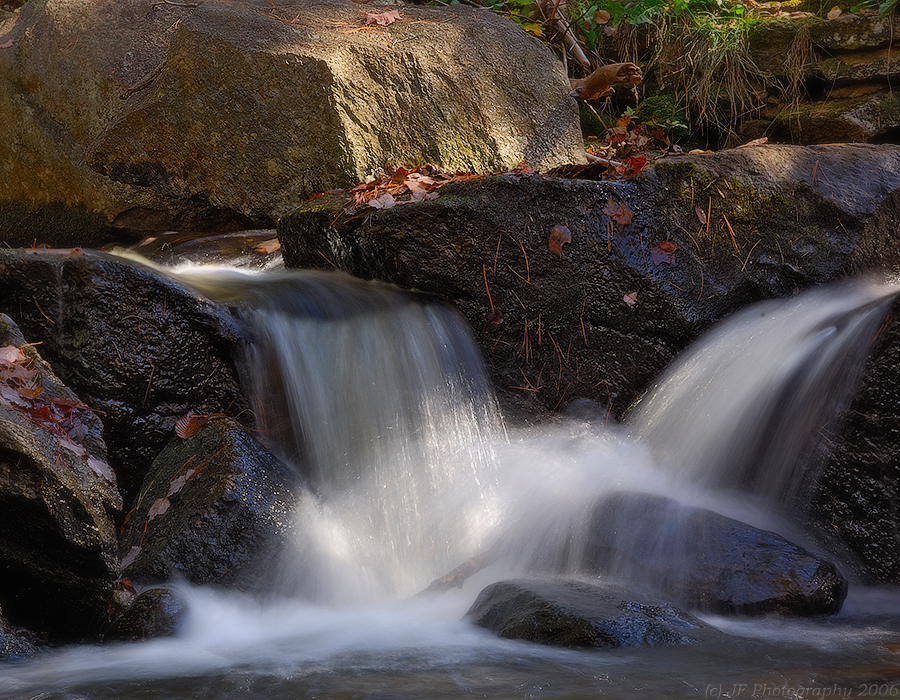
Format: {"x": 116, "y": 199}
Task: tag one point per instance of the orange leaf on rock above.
{"x": 559, "y": 236}
{"x": 634, "y": 165}
{"x": 619, "y": 212}
{"x": 664, "y": 253}
{"x": 188, "y": 425}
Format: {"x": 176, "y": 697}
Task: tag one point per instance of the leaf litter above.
{"x": 21, "y": 389}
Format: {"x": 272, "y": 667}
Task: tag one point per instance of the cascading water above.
{"x": 748, "y": 406}
{"x": 381, "y": 403}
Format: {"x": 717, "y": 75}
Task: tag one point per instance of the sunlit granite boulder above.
{"x": 577, "y": 614}
{"x": 134, "y": 116}
{"x": 708, "y": 562}
{"x": 58, "y": 500}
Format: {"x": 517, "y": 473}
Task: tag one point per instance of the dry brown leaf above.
{"x": 160, "y": 506}
{"x": 268, "y": 247}
{"x": 10, "y": 354}
{"x": 619, "y": 212}
{"x": 630, "y": 298}
{"x": 602, "y": 17}
{"x": 188, "y": 425}
{"x": 559, "y": 236}
{"x": 102, "y": 469}
{"x": 384, "y": 201}
{"x": 701, "y": 215}
{"x": 6, "y": 44}
{"x": 382, "y": 19}
{"x": 663, "y": 253}
{"x": 834, "y": 12}
{"x": 129, "y": 558}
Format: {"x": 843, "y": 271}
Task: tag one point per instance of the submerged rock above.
{"x": 201, "y": 115}
{"x": 214, "y": 509}
{"x": 575, "y": 614}
{"x": 156, "y": 612}
{"x": 58, "y": 499}
{"x": 708, "y": 562}
{"x": 138, "y": 348}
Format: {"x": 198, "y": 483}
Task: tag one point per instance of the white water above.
{"x": 410, "y": 472}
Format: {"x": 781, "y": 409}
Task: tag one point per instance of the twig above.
{"x": 602, "y": 161}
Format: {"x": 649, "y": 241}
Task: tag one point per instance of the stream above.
{"x": 380, "y": 399}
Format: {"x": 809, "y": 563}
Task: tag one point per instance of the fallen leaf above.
{"x": 619, "y": 212}
{"x": 701, "y": 215}
{"x": 382, "y": 18}
{"x": 559, "y": 236}
{"x": 602, "y": 16}
{"x": 7, "y": 44}
{"x": 634, "y": 165}
{"x": 268, "y": 247}
{"x": 630, "y": 298}
{"x": 663, "y": 253}
{"x": 102, "y": 469}
{"x": 160, "y": 506}
{"x": 384, "y": 201}
{"x": 129, "y": 558}
{"x": 178, "y": 483}
{"x": 188, "y": 425}
{"x": 493, "y": 319}
{"x": 10, "y": 354}
{"x": 834, "y": 12}
{"x": 72, "y": 447}
{"x": 755, "y": 142}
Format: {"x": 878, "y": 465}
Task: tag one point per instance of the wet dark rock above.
{"x": 576, "y": 614}
{"x": 214, "y": 509}
{"x": 603, "y": 318}
{"x": 58, "y": 502}
{"x": 17, "y": 644}
{"x": 707, "y": 561}
{"x": 137, "y": 347}
{"x": 855, "y": 504}
{"x": 156, "y": 612}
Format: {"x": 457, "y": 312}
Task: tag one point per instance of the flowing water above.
{"x": 380, "y": 401}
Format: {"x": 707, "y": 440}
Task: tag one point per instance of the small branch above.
{"x": 602, "y": 161}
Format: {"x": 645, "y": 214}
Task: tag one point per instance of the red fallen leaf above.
{"x": 663, "y": 253}
{"x": 559, "y": 236}
{"x": 382, "y": 18}
{"x": 619, "y": 212}
{"x": 634, "y": 165}
{"x": 129, "y": 558}
{"x": 160, "y": 506}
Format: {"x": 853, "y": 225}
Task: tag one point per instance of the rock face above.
{"x": 156, "y": 612}
{"x": 215, "y": 508}
{"x": 136, "y": 346}
{"x": 575, "y": 614}
{"x": 708, "y": 562}
{"x": 164, "y": 116}
{"x": 641, "y": 277}
{"x": 58, "y": 500}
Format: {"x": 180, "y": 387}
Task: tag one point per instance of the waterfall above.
{"x": 751, "y": 405}
{"x": 381, "y": 402}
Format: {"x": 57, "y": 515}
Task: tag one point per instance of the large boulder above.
{"x": 58, "y": 500}
{"x": 576, "y": 614}
{"x": 650, "y": 263}
{"x": 708, "y": 562}
{"x": 196, "y": 115}
{"x": 216, "y": 508}
{"x": 138, "y": 348}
